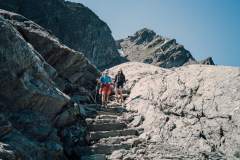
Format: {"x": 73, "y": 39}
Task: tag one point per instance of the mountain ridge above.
{"x": 148, "y": 47}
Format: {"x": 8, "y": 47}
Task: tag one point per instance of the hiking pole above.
{"x": 139, "y": 96}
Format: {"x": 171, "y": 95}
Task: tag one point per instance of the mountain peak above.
{"x": 145, "y": 31}
{"x": 144, "y": 35}
{"x": 148, "y": 47}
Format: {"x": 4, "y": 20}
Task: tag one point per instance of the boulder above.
{"x": 137, "y": 121}
{"x": 136, "y": 141}
{"x": 118, "y": 154}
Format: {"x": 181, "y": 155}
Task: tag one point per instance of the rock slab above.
{"x": 194, "y": 108}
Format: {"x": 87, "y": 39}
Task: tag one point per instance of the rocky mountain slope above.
{"x": 74, "y": 24}
{"x": 148, "y": 47}
{"x": 71, "y": 66}
{"x": 190, "y": 112}
{"x": 36, "y": 117}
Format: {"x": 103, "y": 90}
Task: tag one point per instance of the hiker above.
{"x": 106, "y": 82}
{"x": 119, "y": 82}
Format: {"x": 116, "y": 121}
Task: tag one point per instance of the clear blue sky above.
{"x": 204, "y": 27}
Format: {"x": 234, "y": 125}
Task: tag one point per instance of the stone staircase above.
{"x": 108, "y": 131}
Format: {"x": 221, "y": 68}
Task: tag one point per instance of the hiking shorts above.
{"x": 106, "y": 89}
{"x": 119, "y": 85}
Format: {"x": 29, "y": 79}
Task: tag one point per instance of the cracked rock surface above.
{"x": 192, "y": 109}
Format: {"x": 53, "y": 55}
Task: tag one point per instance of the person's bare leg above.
{"x": 106, "y": 100}
{"x": 107, "y": 97}
{"x": 116, "y": 94}
{"x": 103, "y": 99}
{"x": 121, "y": 96}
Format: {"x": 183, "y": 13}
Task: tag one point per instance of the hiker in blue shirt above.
{"x": 105, "y": 90}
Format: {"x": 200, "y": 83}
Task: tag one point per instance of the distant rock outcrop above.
{"x": 148, "y": 47}
{"x": 207, "y": 61}
{"x": 190, "y": 112}
{"x": 74, "y": 24}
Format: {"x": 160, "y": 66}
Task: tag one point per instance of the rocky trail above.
{"x": 175, "y": 106}
{"x": 113, "y": 131}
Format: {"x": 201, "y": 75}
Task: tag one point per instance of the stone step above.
{"x": 107, "y": 127}
{"x": 114, "y": 109}
{"x": 102, "y": 121}
{"x": 124, "y": 96}
{"x": 94, "y": 157}
{"x": 106, "y": 149}
{"x": 107, "y": 117}
{"x": 94, "y": 136}
{"x": 115, "y": 140}
{"x": 108, "y": 113}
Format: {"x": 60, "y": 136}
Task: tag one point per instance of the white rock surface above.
{"x": 195, "y": 108}
{"x": 118, "y": 154}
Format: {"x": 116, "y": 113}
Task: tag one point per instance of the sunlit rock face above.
{"x": 194, "y": 108}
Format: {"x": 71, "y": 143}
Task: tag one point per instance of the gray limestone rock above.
{"x": 23, "y": 78}
{"x": 34, "y": 68}
{"x": 70, "y": 66}
{"x": 137, "y": 121}
{"x": 74, "y": 24}
{"x": 118, "y": 154}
